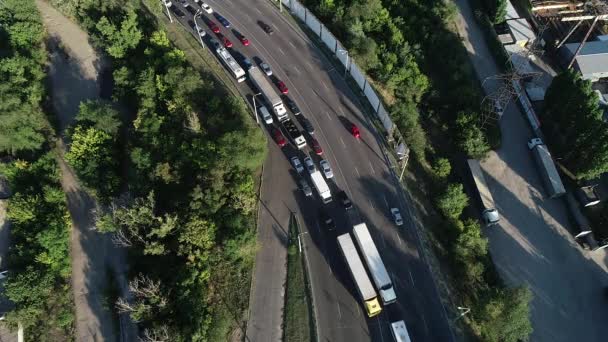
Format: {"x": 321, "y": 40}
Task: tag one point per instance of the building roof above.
{"x": 511, "y": 12}
{"x": 593, "y": 57}
{"x": 521, "y": 30}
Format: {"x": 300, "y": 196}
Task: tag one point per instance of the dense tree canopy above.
{"x": 582, "y": 141}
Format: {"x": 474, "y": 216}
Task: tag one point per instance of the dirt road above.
{"x": 74, "y": 77}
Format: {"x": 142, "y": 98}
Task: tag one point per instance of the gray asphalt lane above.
{"x": 359, "y": 168}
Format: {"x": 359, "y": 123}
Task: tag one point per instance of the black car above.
{"x": 266, "y": 27}
{"x": 307, "y": 125}
{"x": 178, "y": 12}
{"x": 345, "y": 200}
{"x": 190, "y": 9}
{"x": 292, "y": 106}
{"x": 326, "y": 220}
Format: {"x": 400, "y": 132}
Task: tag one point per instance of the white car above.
{"x": 297, "y": 164}
{"x": 397, "y": 216}
{"x": 498, "y": 108}
{"x": 201, "y": 32}
{"x": 326, "y": 169}
{"x": 206, "y": 8}
{"x": 265, "y": 115}
{"x": 3, "y": 274}
{"x": 266, "y": 68}
{"x": 310, "y": 165}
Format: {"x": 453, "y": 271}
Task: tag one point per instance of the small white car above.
{"x": 265, "y": 115}
{"x": 534, "y": 142}
{"x": 397, "y": 216}
{"x": 3, "y": 274}
{"x": 498, "y": 108}
{"x": 326, "y": 169}
{"x": 266, "y": 68}
{"x": 310, "y": 165}
{"x": 206, "y": 8}
{"x": 201, "y": 32}
{"x": 297, "y": 164}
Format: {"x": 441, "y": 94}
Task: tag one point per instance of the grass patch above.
{"x": 298, "y": 316}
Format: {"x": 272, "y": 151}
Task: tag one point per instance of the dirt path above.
{"x": 74, "y": 77}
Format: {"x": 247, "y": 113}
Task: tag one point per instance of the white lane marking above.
{"x": 386, "y": 201}
{"x": 341, "y": 110}
{"x": 358, "y": 311}
{"x": 399, "y": 237}
{"x": 328, "y": 116}
{"x": 383, "y": 240}
{"x": 247, "y": 15}
{"x": 380, "y": 328}
{"x": 411, "y": 278}
{"x": 309, "y": 66}
{"x": 372, "y": 204}
{"x": 325, "y": 85}
{"x": 372, "y": 167}
{"x": 297, "y": 70}
{"x": 342, "y": 141}
{"x": 339, "y": 311}
{"x": 290, "y": 43}
{"x": 357, "y": 171}
{"x": 258, "y": 10}
{"x": 281, "y": 50}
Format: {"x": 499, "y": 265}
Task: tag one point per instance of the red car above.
{"x": 214, "y": 27}
{"x": 227, "y": 42}
{"x": 354, "y": 130}
{"x": 316, "y": 147}
{"x": 244, "y": 40}
{"x": 278, "y": 137}
{"x": 282, "y": 87}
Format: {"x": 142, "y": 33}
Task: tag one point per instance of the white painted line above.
{"x": 372, "y": 167}
{"x": 411, "y": 278}
{"x": 257, "y": 9}
{"x": 380, "y": 328}
{"x": 372, "y": 204}
{"x": 247, "y": 15}
{"x": 399, "y": 238}
{"x": 385, "y": 201}
{"x": 325, "y": 85}
{"x": 339, "y": 311}
{"x": 281, "y": 51}
{"x": 358, "y": 311}
{"x": 357, "y": 171}
{"x": 329, "y": 116}
{"x": 309, "y": 65}
{"x": 296, "y": 69}
{"x": 290, "y": 43}
{"x": 383, "y": 240}
{"x": 341, "y": 110}
{"x": 342, "y": 141}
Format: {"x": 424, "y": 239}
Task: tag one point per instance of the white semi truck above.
{"x": 322, "y": 188}
{"x": 489, "y": 214}
{"x": 260, "y": 81}
{"x": 374, "y": 264}
{"x": 364, "y": 285}
{"x": 546, "y": 166}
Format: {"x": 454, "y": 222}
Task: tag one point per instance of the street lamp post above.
{"x": 347, "y": 60}
{"x": 166, "y": 3}
{"x": 200, "y": 38}
{"x": 463, "y": 311}
{"x": 255, "y": 108}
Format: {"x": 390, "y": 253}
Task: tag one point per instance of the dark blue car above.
{"x": 221, "y": 19}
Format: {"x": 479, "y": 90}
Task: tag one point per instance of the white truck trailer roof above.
{"x": 366, "y": 289}
{"x": 374, "y": 263}
{"x": 480, "y": 181}
{"x": 321, "y": 186}
{"x": 261, "y": 82}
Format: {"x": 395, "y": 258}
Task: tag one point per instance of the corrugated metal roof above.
{"x": 521, "y": 30}
{"x": 593, "y": 57}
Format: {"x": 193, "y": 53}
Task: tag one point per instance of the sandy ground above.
{"x": 74, "y": 77}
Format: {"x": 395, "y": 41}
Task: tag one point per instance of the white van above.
{"x": 399, "y": 332}
{"x": 265, "y": 115}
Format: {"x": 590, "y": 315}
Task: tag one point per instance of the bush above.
{"x": 442, "y": 168}
{"x": 505, "y": 316}
{"x": 471, "y": 139}
{"x": 453, "y": 201}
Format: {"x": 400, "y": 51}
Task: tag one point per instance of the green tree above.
{"x": 99, "y": 115}
{"x": 500, "y": 12}
{"x": 471, "y": 138}
{"x": 453, "y": 201}
{"x": 119, "y": 40}
{"x": 506, "y": 316}
{"x": 470, "y": 243}
{"x": 442, "y": 168}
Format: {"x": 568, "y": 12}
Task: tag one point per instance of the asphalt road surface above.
{"x": 532, "y": 244}
{"x": 360, "y": 169}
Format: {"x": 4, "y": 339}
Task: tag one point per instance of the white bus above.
{"x": 234, "y": 68}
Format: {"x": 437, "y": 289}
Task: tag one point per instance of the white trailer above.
{"x": 489, "y": 214}
{"x": 362, "y": 282}
{"x": 260, "y": 81}
{"x": 374, "y": 263}
{"x": 321, "y": 186}
{"x": 546, "y": 166}
{"x": 234, "y": 68}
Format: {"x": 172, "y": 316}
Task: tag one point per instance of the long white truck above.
{"x": 260, "y": 81}
{"x": 234, "y": 67}
{"x": 362, "y": 282}
{"x": 321, "y": 186}
{"x": 374, "y": 263}
{"x": 546, "y": 166}
{"x": 489, "y": 214}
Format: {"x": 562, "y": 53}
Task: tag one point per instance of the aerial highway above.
{"x": 360, "y": 169}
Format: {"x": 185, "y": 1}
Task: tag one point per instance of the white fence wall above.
{"x": 372, "y": 97}
{"x": 313, "y": 23}
{"x": 298, "y": 10}
{"x": 286, "y": 3}
{"x": 357, "y": 75}
{"x": 328, "y": 38}
{"x": 385, "y": 119}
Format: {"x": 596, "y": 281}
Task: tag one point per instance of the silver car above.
{"x": 266, "y": 68}
{"x": 305, "y": 187}
{"x": 297, "y": 164}
{"x": 326, "y": 169}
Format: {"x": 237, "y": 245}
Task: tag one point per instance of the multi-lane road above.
{"x": 361, "y": 169}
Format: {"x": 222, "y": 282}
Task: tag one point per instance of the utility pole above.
{"x": 281, "y": 6}
{"x": 166, "y": 3}
{"x": 255, "y": 108}
{"x": 346, "y": 65}
{"x": 200, "y": 37}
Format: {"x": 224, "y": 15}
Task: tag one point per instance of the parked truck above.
{"x": 489, "y": 214}
{"x": 294, "y": 133}
{"x": 546, "y": 167}
{"x": 374, "y": 264}
{"x": 271, "y": 96}
{"x": 322, "y": 188}
{"x": 362, "y": 283}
